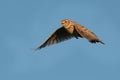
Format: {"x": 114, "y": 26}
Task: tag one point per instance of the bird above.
{"x": 70, "y": 29}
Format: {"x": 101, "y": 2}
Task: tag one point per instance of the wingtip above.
{"x": 38, "y": 48}
{"x": 96, "y": 41}
{"x": 102, "y": 42}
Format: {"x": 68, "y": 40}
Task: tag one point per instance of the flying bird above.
{"x": 70, "y": 29}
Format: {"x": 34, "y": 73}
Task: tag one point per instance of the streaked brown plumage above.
{"x": 69, "y": 30}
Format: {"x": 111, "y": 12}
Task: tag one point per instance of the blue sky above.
{"x": 25, "y": 24}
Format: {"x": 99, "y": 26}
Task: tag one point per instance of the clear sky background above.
{"x": 25, "y": 24}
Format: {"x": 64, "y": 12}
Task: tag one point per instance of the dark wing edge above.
{"x": 97, "y": 40}
{"x": 58, "y": 36}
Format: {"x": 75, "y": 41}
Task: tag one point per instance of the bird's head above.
{"x": 65, "y": 22}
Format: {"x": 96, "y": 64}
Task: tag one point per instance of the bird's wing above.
{"x": 85, "y": 33}
{"x": 58, "y": 36}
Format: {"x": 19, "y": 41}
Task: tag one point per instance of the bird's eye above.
{"x": 66, "y": 21}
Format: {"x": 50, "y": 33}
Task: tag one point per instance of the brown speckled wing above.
{"x": 85, "y": 33}
{"x": 58, "y": 36}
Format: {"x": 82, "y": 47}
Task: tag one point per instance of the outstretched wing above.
{"x": 58, "y": 36}
{"x": 85, "y": 33}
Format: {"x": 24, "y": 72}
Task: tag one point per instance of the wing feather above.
{"x": 59, "y": 35}
{"x": 85, "y": 33}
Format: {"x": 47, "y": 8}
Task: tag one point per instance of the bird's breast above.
{"x": 70, "y": 29}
